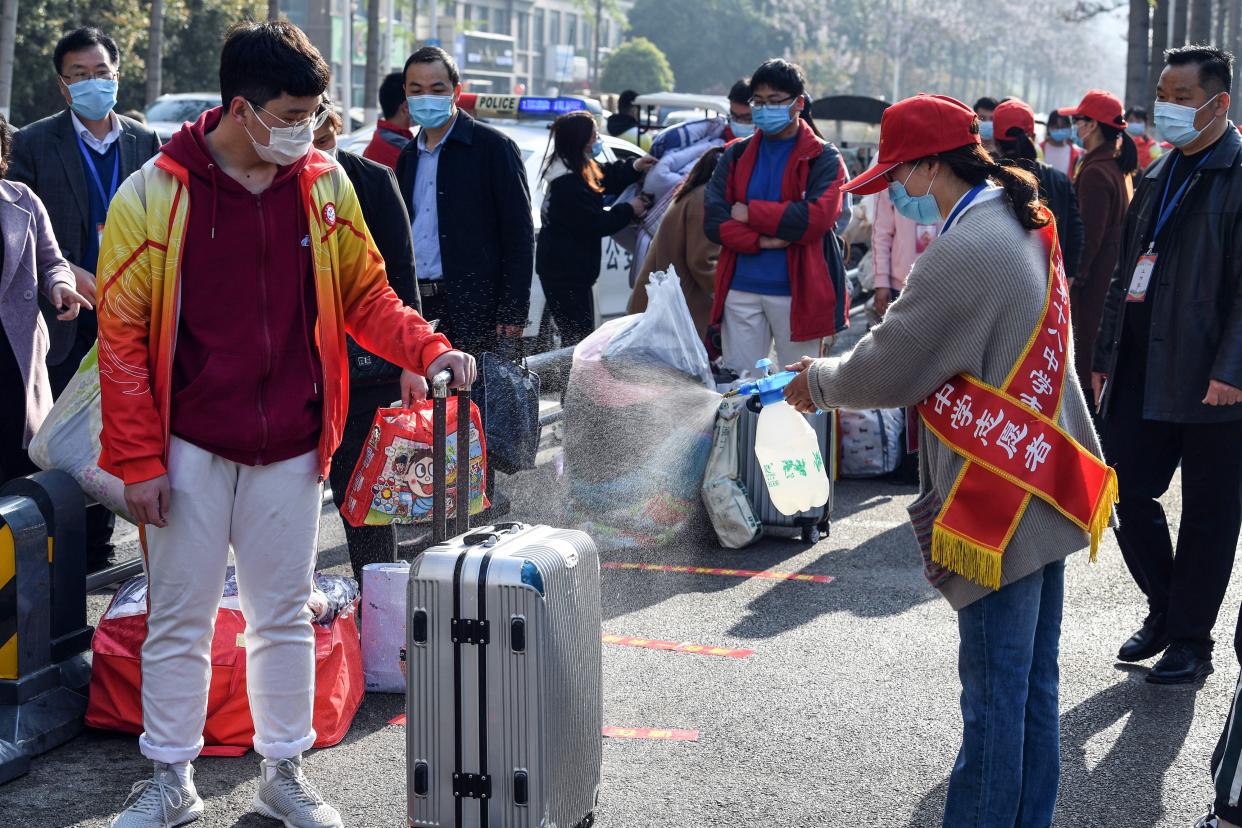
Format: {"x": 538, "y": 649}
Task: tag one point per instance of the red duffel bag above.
{"x": 116, "y": 673}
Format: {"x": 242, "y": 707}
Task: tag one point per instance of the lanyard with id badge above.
{"x": 1146, "y": 264}
{"x": 107, "y": 194}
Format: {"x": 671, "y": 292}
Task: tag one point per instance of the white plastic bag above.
{"x": 724, "y": 494}
{"x": 383, "y": 625}
{"x": 69, "y": 438}
{"x": 664, "y": 334}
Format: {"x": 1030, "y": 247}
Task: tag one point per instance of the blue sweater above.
{"x": 766, "y": 272}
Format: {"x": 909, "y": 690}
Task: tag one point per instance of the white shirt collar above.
{"x": 99, "y": 145}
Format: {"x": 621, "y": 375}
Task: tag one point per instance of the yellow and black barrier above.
{"x": 42, "y": 683}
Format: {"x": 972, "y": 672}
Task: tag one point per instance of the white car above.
{"x": 167, "y": 113}
{"x": 612, "y": 291}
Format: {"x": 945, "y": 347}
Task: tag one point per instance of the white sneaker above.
{"x": 285, "y": 794}
{"x": 161, "y": 801}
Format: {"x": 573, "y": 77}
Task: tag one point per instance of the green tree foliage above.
{"x": 193, "y": 33}
{"x": 638, "y": 65}
{"x": 710, "y": 43}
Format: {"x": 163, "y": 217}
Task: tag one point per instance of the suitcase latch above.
{"x": 469, "y": 631}
{"x": 472, "y": 785}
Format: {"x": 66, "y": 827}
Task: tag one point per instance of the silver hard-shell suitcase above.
{"x": 814, "y": 522}
{"x": 504, "y": 702}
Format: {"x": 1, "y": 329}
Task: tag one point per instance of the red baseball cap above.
{"x": 1099, "y": 105}
{"x": 915, "y": 128}
{"x": 1012, "y": 113}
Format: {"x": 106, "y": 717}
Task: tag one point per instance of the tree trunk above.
{"x": 1181, "y": 17}
{"x": 273, "y": 9}
{"x": 595, "y": 27}
{"x": 1159, "y": 42}
{"x": 155, "y": 51}
{"x": 1218, "y": 27}
{"x": 1138, "y": 52}
{"x": 8, "y": 41}
{"x": 1233, "y": 42}
{"x": 370, "y": 83}
{"x": 1200, "y": 24}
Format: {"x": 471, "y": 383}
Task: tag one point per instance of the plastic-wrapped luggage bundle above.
{"x": 638, "y": 424}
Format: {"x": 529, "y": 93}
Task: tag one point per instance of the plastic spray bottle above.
{"x": 786, "y": 446}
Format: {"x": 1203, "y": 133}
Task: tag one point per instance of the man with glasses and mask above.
{"x": 465, "y": 188}
{"x": 771, "y": 205}
{"x": 1168, "y": 367}
{"x": 233, "y": 267}
{"x": 74, "y": 161}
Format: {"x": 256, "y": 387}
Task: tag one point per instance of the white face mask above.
{"x": 285, "y": 145}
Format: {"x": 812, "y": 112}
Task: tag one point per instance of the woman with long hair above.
{"x": 1105, "y": 185}
{"x": 574, "y": 220}
{"x": 1011, "y": 480}
{"x": 681, "y": 244}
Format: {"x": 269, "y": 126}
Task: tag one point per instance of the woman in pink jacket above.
{"x": 896, "y": 242}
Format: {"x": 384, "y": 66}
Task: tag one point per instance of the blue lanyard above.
{"x": 962, "y": 205}
{"x": 106, "y": 195}
{"x": 1167, "y": 207}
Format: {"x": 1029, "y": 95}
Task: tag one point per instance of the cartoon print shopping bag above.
{"x": 392, "y": 481}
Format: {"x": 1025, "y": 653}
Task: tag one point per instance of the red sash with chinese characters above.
{"x": 1014, "y": 448}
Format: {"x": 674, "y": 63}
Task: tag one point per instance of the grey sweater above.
{"x": 970, "y": 305}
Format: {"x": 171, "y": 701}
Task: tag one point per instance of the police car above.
{"x": 526, "y": 119}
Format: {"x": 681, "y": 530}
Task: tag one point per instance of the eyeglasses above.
{"x": 78, "y": 77}
{"x": 782, "y": 102}
{"x": 316, "y": 120}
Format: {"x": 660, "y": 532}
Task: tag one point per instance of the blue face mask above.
{"x": 1177, "y": 123}
{"x": 430, "y": 111}
{"x": 93, "y": 98}
{"x": 771, "y": 120}
{"x": 986, "y": 130}
{"x": 1062, "y": 134}
{"x": 1077, "y": 138}
{"x": 597, "y": 148}
{"x": 919, "y": 209}
{"x": 741, "y": 130}
{"x": 1136, "y": 129}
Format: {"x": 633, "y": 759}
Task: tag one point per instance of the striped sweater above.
{"x": 970, "y": 305}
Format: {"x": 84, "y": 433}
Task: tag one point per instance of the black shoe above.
{"x": 1180, "y": 665}
{"x": 1149, "y": 641}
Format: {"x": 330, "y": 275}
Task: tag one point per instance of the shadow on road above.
{"x": 1126, "y": 785}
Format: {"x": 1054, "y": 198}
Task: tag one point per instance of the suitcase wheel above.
{"x": 810, "y": 534}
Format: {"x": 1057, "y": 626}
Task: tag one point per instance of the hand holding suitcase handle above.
{"x": 459, "y": 366}
{"x": 441, "y": 381}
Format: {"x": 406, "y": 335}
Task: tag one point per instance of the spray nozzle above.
{"x": 769, "y": 388}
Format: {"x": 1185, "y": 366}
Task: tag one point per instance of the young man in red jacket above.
{"x": 224, "y": 380}
{"x": 771, "y": 205}
{"x": 392, "y": 131}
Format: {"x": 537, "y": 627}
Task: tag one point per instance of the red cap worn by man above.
{"x": 917, "y": 128}
{"x": 1012, "y": 113}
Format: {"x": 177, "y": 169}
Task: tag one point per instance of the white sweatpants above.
{"x": 751, "y": 323}
{"x": 270, "y": 516}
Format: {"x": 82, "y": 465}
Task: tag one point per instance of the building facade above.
{"x": 502, "y": 46}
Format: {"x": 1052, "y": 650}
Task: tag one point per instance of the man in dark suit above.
{"x": 75, "y": 161}
{"x": 465, "y": 188}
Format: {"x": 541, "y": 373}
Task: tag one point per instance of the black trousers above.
{"x": 473, "y": 340}
{"x": 367, "y": 544}
{"x": 572, "y": 305}
{"x": 14, "y": 461}
{"x": 1186, "y": 587}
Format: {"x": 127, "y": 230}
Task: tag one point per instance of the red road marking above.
{"x": 676, "y": 647}
{"x": 654, "y": 733}
{"x": 770, "y": 575}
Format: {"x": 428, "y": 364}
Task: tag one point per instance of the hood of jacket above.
{"x": 188, "y": 147}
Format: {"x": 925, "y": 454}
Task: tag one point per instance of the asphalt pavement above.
{"x": 845, "y": 715}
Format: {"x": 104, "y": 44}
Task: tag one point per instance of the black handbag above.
{"x": 366, "y": 369}
{"x": 510, "y": 414}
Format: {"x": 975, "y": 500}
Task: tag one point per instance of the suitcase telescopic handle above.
{"x": 440, "y": 383}
{"x": 439, "y": 509}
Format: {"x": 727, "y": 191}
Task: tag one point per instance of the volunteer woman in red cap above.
{"x": 1011, "y": 480}
{"x": 1104, "y": 185}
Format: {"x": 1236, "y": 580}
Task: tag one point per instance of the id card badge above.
{"x": 99, "y": 229}
{"x": 1141, "y": 278}
{"x": 924, "y": 235}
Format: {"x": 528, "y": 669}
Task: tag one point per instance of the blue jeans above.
{"x": 1007, "y": 770}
